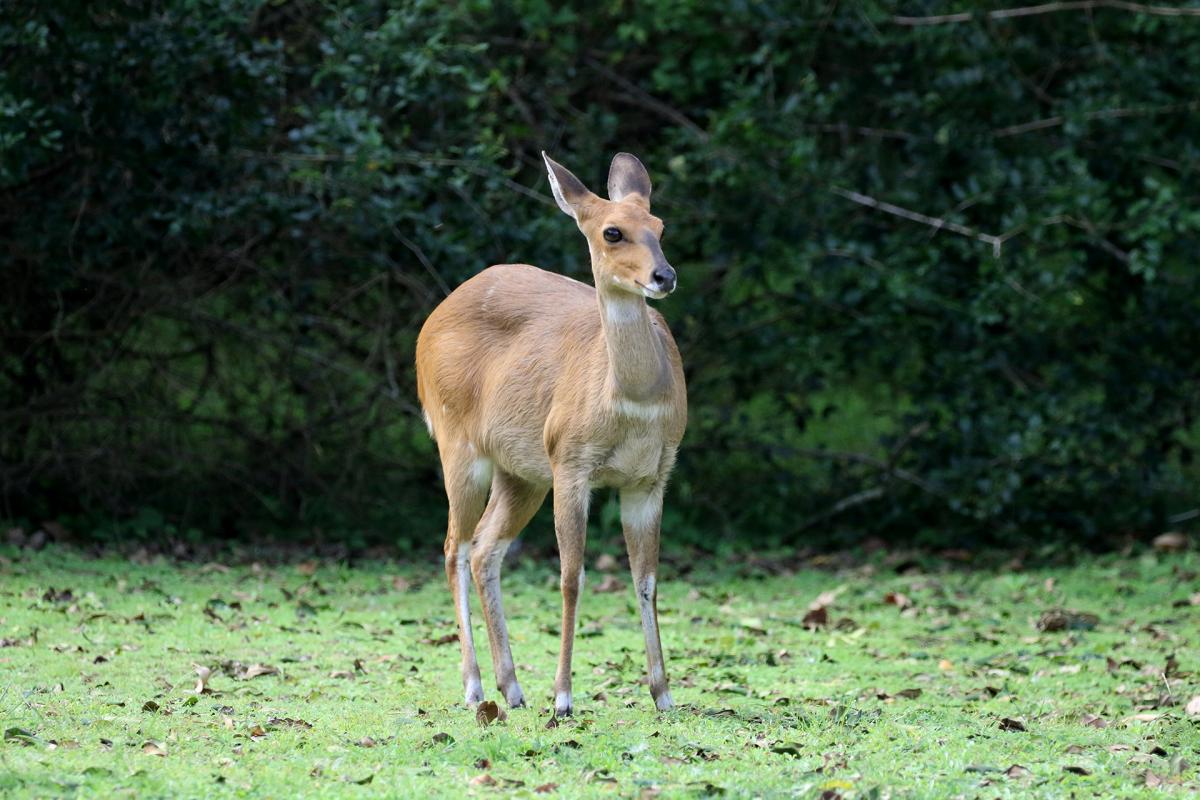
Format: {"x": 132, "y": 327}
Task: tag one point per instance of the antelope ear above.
{"x": 569, "y": 191}
{"x": 627, "y": 176}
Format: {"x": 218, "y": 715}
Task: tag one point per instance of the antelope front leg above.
{"x": 570, "y": 527}
{"x": 641, "y": 515}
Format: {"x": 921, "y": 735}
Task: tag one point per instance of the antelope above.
{"x": 532, "y": 382}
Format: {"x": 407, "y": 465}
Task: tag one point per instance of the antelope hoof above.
{"x": 562, "y": 705}
{"x": 664, "y": 702}
{"x": 514, "y": 696}
{"x": 474, "y": 691}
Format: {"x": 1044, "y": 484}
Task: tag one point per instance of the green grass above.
{"x": 767, "y": 706}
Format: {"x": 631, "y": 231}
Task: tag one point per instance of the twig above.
{"x": 872, "y": 461}
{"x": 1184, "y": 517}
{"x": 1104, "y": 113}
{"x": 640, "y": 97}
{"x": 420, "y": 254}
{"x": 1049, "y": 8}
{"x": 856, "y": 499}
{"x": 845, "y": 129}
{"x": 870, "y": 202}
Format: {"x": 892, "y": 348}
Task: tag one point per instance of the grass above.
{"x": 887, "y": 699}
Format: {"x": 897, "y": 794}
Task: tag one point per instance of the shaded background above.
{"x": 938, "y": 277}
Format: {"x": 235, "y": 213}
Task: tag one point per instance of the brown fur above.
{"x": 554, "y": 384}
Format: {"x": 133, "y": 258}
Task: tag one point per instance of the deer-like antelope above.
{"x": 530, "y": 380}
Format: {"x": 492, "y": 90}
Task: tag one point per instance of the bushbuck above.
{"x": 531, "y": 382}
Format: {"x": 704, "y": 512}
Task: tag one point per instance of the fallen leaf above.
{"x": 1077, "y": 770}
{"x": 898, "y": 600}
{"x": 150, "y": 706}
{"x": 255, "y": 670}
{"x": 488, "y": 712}
{"x": 546, "y": 788}
{"x": 482, "y": 763}
{"x": 945, "y": 665}
{"x": 203, "y": 674}
{"x": 1017, "y": 771}
{"x": 341, "y": 674}
{"x": 1092, "y": 721}
{"x": 1192, "y": 709}
{"x": 257, "y": 732}
{"x": 1075, "y": 749}
{"x": 366, "y": 741}
{"x": 609, "y": 584}
{"x": 483, "y": 780}
{"x": 1151, "y": 779}
{"x": 816, "y": 618}
{"x": 443, "y": 738}
{"x": 288, "y": 722}
{"x": 1010, "y": 724}
{"x": 1171, "y": 542}
{"x": 910, "y": 694}
{"x": 826, "y": 598}
{"x": 154, "y": 749}
{"x": 1060, "y": 620}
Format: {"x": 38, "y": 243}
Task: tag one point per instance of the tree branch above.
{"x": 1048, "y": 8}
{"x": 934, "y": 222}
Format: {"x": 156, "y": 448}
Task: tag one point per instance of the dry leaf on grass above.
{"x": 154, "y": 748}
{"x": 488, "y": 712}
{"x": 1017, "y": 771}
{"x": 256, "y": 670}
{"x": 900, "y": 601}
{"x": 1092, "y": 721}
{"x": 1010, "y": 724}
{"x": 1192, "y": 709}
{"x": 483, "y": 780}
{"x": 816, "y": 618}
{"x": 1171, "y": 542}
{"x": 203, "y": 674}
{"x": 609, "y": 584}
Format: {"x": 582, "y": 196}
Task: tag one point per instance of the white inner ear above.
{"x": 566, "y": 207}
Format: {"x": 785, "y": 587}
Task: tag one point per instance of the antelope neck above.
{"x": 637, "y": 366}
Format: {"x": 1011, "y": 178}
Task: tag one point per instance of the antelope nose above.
{"x": 664, "y": 278}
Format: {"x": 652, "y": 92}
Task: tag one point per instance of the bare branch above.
{"x": 1104, "y": 113}
{"x": 639, "y": 97}
{"x": 1048, "y": 8}
{"x": 934, "y": 222}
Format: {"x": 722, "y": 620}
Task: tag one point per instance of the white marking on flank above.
{"x": 640, "y": 409}
{"x": 481, "y": 471}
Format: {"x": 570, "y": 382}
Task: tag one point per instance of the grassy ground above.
{"x": 949, "y": 689}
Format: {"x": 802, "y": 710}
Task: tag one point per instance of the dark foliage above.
{"x": 938, "y": 281}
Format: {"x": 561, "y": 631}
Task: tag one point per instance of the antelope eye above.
{"x": 612, "y": 235}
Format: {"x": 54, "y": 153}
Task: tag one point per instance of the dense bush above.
{"x": 937, "y": 280}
